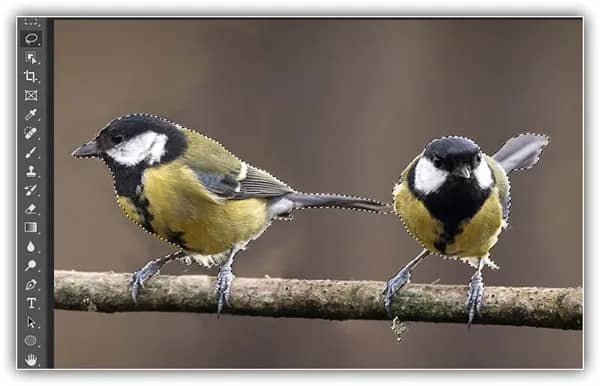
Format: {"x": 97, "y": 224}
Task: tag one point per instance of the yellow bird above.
{"x": 190, "y": 191}
{"x": 455, "y": 200}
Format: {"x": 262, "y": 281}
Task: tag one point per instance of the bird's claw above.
{"x": 474, "y": 296}
{"x": 224, "y": 279}
{"x": 138, "y": 278}
{"x": 394, "y": 285}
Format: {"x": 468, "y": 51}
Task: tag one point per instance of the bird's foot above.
{"x": 396, "y": 283}
{"x": 138, "y": 278}
{"x": 224, "y": 279}
{"x": 474, "y": 297}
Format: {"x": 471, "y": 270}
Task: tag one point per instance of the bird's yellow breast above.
{"x": 182, "y": 211}
{"x": 477, "y": 235}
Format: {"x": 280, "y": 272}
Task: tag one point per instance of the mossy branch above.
{"x": 560, "y": 308}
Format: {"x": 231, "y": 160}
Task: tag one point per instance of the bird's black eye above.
{"x": 478, "y": 158}
{"x": 117, "y": 138}
{"x": 437, "y": 161}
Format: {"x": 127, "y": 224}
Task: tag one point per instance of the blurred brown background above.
{"x": 334, "y": 106}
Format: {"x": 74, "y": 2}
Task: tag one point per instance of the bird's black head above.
{"x": 450, "y": 160}
{"x": 136, "y": 140}
{"x": 456, "y": 155}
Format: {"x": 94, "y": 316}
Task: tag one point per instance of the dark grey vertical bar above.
{"x": 50, "y": 195}
{"x": 34, "y": 194}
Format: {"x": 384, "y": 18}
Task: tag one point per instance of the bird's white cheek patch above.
{"x": 483, "y": 175}
{"x": 428, "y": 178}
{"x": 149, "y": 146}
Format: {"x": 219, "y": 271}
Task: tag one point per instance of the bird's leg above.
{"x": 149, "y": 270}
{"x": 401, "y": 279}
{"x": 224, "y": 279}
{"x": 475, "y": 293}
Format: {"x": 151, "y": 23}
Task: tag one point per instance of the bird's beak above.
{"x": 89, "y": 149}
{"x": 463, "y": 172}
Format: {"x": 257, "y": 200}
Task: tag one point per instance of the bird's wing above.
{"x": 502, "y": 184}
{"x": 521, "y": 152}
{"x": 225, "y": 175}
{"x": 248, "y": 182}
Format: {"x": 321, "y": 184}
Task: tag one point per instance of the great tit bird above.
{"x": 190, "y": 191}
{"x": 454, "y": 200}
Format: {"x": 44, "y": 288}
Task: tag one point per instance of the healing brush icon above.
{"x": 29, "y": 131}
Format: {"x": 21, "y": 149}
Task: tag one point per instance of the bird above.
{"x": 455, "y": 200}
{"x": 190, "y": 191}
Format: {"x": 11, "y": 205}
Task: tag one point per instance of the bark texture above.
{"x": 560, "y": 308}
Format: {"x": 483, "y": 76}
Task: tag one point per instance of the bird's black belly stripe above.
{"x": 128, "y": 183}
{"x": 456, "y": 201}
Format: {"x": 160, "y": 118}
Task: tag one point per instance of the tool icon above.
{"x": 30, "y": 114}
{"x": 31, "y": 303}
{"x": 31, "y": 264}
{"x": 30, "y": 248}
{"x": 30, "y": 131}
{"x": 32, "y": 39}
{"x": 29, "y": 189}
{"x": 31, "y": 360}
{"x": 31, "y": 95}
{"x": 30, "y": 76}
{"x": 30, "y": 322}
{"x": 30, "y": 172}
{"x": 30, "y": 285}
{"x": 30, "y": 226}
{"x": 30, "y": 209}
{"x": 30, "y": 152}
{"x": 31, "y": 22}
{"x": 31, "y": 57}
{"x": 30, "y": 340}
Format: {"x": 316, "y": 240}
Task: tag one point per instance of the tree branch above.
{"x": 325, "y": 299}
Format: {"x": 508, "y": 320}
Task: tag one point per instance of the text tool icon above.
{"x": 30, "y": 76}
{"x": 31, "y": 57}
{"x": 30, "y": 114}
{"x": 30, "y": 172}
{"x": 31, "y": 360}
{"x": 31, "y": 303}
{"x": 31, "y": 95}
{"x": 30, "y": 209}
{"x": 30, "y": 226}
{"x": 30, "y": 285}
{"x": 29, "y": 189}
{"x": 30, "y": 322}
{"x": 31, "y": 264}
{"x": 30, "y": 152}
{"x": 30, "y": 131}
{"x": 30, "y": 248}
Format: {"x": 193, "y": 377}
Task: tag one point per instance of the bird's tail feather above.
{"x": 328, "y": 200}
{"x": 521, "y": 152}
